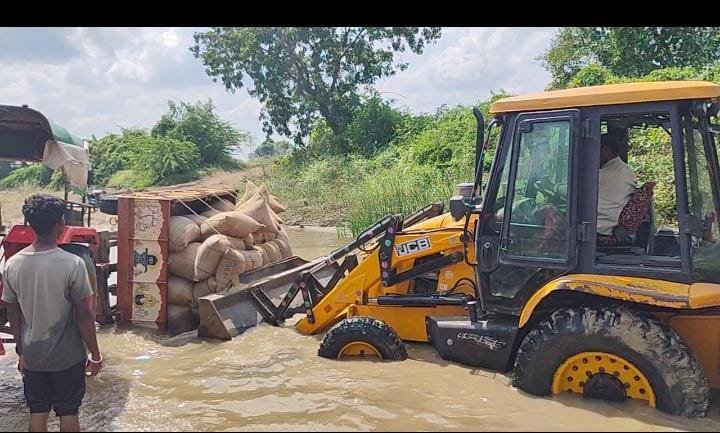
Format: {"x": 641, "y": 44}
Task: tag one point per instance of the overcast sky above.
{"x": 95, "y": 80}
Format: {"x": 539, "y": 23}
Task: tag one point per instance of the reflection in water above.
{"x": 271, "y": 379}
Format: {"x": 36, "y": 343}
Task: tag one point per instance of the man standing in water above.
{"x": 50, "y": 310}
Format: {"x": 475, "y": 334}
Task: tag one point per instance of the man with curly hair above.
{"x": 51, "y": 315}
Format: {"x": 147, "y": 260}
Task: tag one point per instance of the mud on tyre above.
{"x": 619, "y": 335}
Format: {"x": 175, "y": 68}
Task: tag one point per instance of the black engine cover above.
{"x": 487, "y": 343}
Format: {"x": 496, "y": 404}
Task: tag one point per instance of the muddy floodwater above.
{"x": 272, "y": 379}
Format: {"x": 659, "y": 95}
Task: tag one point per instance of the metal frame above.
{"x": 582, "y": 196}
{"x": 571, "y": 116}
{"x": 588, "y": 200}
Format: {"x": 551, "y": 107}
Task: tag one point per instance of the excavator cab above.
{"x": 587, "y": 305}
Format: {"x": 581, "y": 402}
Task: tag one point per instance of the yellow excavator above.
{"x": 519, "y": 276}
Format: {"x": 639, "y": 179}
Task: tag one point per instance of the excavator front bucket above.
{"x": 225, "y": 316}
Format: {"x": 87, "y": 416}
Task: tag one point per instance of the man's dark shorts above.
{"x": 62, "y": 391}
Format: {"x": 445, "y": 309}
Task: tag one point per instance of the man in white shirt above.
{"x": 616, "y": 183}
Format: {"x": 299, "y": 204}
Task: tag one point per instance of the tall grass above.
{"x": 353, "y": 192}
{"x": 316, "y": 191}
{"x": 394, "y": 191}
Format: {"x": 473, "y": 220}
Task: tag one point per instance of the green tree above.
{"x": 265, "y": 149}
{"x": 370, "y": 131}
{"x": 5, "y": 168}
{"x": 299, "y": 73}
{"x": 591, "y": 75}
{"x": 199, "y": 124}
{"x": 27, "y": 175}
{"x": 269, "y": 147}
{"x": 629, "y": 51}
{"x": 373, "y": 127}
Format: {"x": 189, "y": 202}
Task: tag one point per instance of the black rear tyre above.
{"x": 601, "y": 340}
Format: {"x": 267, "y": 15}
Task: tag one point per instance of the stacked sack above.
{"x": 208, "y": 252}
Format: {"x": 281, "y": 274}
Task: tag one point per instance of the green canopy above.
{"x": 24, "y": 133}
{"x": 27, "y": 135}
{"x": 63, "y": 135}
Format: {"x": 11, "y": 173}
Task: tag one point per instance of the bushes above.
{"x": 136, "y": 159}
{"x": 187, "y": 139}
{"x": 130, "y": 179}
{"x": 111, "y": 154}
{"x": 31, "y": 175}
{"x": 372, "y": 127}
{"x": 166, "y": 160}
{"x": 370, "y": 131}
{"x": 651, "y": 158}
{"x": 420, "y": 163}
{"x": 451, "y": 139}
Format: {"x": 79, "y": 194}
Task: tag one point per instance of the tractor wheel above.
{"x": 362, "y": 336}
{"x": 87, "y": 257}
{"x": 612, "y": 355}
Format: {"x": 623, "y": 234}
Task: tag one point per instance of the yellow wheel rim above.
{"x": 359, "y": 348}
{"x": 574, "y": 373}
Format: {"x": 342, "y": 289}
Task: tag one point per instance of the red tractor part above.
{"x": 20, "y": 236}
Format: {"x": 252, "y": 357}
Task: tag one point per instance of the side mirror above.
{"x": 458, "y": 207}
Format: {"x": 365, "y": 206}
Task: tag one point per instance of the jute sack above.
{"x": 235, "y": 243}
{"x": 275, "y": 253}
{"x": 250, "y": 189}
{"x": 279, "y": 220}
{"x": 235, "y": 224}
{"x": 271, "y": 199}
{"x": 231, "y": 265}
{"x": 249, "y": 241}
{"x": 263, "y": 253}
{"x": 182, "y": 263}
{"x": 272, "y": 252}
{"x": 223, "y": 205}
{"x": 282, "y": 234}
{"x": 197, "y": 219}
{"x": 180, "y": 291}
{"x": 284, "y": 246}
{"x": 263, "y": 236}
{"x": 182, "y": 231}
{"x": 209, "y": 254}
{"x": 204, "y": 288}
{"x": 252, "y": 257}
{"x": 257, "y": 208}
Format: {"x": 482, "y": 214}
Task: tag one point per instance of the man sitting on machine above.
{"x": 621, "y": 205}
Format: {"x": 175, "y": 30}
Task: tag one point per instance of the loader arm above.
{"x": 333, "y": 307}
{"x": 437, "y": 241}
